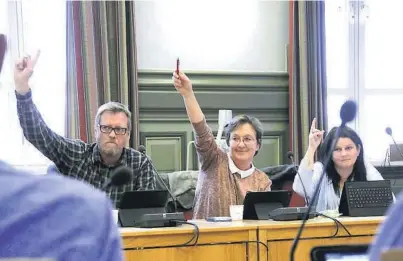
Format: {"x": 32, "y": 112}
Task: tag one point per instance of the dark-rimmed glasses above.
{"x": 108, "y": 129}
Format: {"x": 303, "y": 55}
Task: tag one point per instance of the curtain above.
{"x": 307, "y": 70}
{"x": 101, "y": 63}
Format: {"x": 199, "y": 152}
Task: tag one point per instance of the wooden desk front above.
{"x": 238, "y": 240}
{"x": 279, "y": 236}
{"x": 217, "y": 241}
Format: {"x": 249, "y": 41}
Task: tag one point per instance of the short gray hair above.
{"x": 114, "y": 107}
{"x": 240, "y": 120}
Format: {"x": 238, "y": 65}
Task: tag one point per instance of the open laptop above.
{"x": 134, "y": 204}
{"x": 257, "y": 205}
{"x": 340, "y": 253}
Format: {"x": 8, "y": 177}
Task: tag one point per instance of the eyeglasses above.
{"x": 247, "y": 140}
{"x": 108, "y": 129}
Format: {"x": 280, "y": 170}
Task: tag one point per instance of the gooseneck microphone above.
{"x": 347, "y": 113}
{"x": 121, "y": 176}
{"x": 290, "y": 155}
{"x": 142, "y": 150}
{"x": 388, "y": 130}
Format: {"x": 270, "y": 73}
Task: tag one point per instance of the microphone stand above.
{"x": 316, "y": 193}
{"x": 397, "y": 146}
{"x": 347, "y": 114}
{"x": 162, "y": 181}
{"x": 299, "y": 176}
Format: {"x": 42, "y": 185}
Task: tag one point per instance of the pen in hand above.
{"x": 177, "y": 66}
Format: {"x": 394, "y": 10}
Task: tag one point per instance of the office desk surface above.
{"x": 202, "y": 224}
{"x": 243, "y": 240}
{"x": 316, "y": 221}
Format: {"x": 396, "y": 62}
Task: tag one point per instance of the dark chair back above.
{"x": 282, "y": 177}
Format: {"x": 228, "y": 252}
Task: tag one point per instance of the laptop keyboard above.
{"x": 370, "y": 197}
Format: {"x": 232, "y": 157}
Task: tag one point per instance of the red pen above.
{"x": 177, "y": 66}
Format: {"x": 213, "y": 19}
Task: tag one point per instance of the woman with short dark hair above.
{"x": 224, "y": 178}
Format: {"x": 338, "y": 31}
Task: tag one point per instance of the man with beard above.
{"x": 53, "y": 217}
{"x": 93, "y": 163}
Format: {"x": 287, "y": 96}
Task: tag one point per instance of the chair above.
{"x": 282, "y": 177}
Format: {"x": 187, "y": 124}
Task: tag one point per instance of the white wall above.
{"x": 212, "y": 35}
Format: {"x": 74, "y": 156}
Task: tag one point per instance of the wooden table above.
{"x": 243, "y": 240}
{"x": 279, "y": 236}
{"x": 217, "y": 241}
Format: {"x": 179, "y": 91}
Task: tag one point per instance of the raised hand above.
{"x": 315, "y": 136}
{"x": 182, "y": 84}
{"x": 23, "y": 70}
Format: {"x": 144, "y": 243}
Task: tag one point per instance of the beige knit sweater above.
{"x": 217, "y": 188}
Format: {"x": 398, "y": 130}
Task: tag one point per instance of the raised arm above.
{"x": 60, "y": 150}
{"x": 184, "y": 86}
{"x": 206, "y": 146}
{"x": 307, "y": 171}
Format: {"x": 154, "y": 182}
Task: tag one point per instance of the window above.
{"x": 363, "y": 62}
{"x": 29, "y": 27}
{"x": 338, "y": 48}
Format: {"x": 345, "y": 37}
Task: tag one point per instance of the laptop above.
{"x": 340, "y": 253}
{"x": 258, "y": 205}
{"x": 135, "y": 204}
{"x": 144, "y": 199}
{"x": 366, "y": 198}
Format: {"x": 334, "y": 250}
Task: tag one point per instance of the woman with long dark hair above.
{"x": 347, "y": 164}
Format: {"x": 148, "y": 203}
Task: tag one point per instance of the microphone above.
{"x": 142, "y": 150}
{"x": 290, "y": 155}
{"x": 347, "y": 113}
{"x": 121, "y": 176}
{"x": 3, "y": 49}
{"x": 388, "y": 130}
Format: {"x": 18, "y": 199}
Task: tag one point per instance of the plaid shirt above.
{"x": 78, "y": 159}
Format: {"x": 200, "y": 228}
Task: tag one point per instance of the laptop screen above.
{"x": 346, "y": 257}
{"x": 340, "y": 253}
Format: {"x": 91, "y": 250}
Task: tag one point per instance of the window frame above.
{"x": 22, "y": 155}
{"x": 358, "y": 12}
